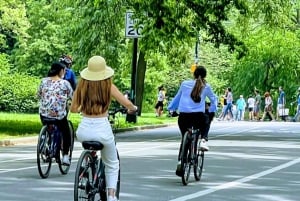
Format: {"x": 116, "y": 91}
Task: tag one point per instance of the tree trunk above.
{"x": 140, "y": 77}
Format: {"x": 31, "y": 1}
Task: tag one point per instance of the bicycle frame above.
{"x": 191, "y": 156}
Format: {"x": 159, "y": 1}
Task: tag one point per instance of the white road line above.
{"x": 237, "y": 182}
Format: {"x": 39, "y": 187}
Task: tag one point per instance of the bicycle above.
{"x": 49, "y": 147}
{"x": 89, "y": 175}
{"x": 191, "y": 156}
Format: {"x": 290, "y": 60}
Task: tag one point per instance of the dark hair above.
{"x": 55, "y": 69}
{"x": 199, "y": 75}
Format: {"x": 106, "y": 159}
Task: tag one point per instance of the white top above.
{"x": 251, "y": 102}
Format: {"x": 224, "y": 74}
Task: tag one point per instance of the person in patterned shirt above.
{"x": 53, "y": 94}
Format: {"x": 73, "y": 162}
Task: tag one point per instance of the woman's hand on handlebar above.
{"x": 132, "y": 111}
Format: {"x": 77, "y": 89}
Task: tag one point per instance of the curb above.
{"x": 30, "y": 140}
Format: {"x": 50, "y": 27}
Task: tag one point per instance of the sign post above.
{"x": 132, "y": 31}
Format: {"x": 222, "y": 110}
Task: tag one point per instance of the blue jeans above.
{"x": 228, "y": 109}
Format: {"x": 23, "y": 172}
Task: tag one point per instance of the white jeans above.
{"x": 99, "y": 129}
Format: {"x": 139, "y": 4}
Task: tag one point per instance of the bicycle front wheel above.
{"x": 198, "y": 166}
{"x": 185, "y": 159}
{"x": 43, "y": 153}
{"x": 64, "y": 169}
{"x": 83, "y": 185}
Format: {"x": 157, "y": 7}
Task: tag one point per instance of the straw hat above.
{"x": 97, "y": 69}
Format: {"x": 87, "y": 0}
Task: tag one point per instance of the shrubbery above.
{"x": 18, "y": 93}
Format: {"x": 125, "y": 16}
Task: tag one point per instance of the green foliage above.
{"x": 13, "y": 25}
{"x": 4, "y": 65}
{"x": 48, "y": 38}
{"x": 273, "y": 61}
{"x": 18, "y": 124}
{"x": 18, "y": 92}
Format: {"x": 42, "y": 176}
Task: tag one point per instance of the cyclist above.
{"x": 69, "y": 75}
{"x": 53, "y": 94}
{"x": 92, "y": 98}
{"x": 190, "y": 102}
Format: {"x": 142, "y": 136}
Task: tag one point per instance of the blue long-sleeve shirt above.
{"x": 184, "y": 103}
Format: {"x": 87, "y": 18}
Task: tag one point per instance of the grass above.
{"x": 14, "y": 125}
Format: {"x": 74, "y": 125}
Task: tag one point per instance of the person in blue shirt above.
{"x": 298, "y": 107}
{"x": 281, "y": 104}
{"x": 191, "y": 105}
{"x": 69, "y": 75}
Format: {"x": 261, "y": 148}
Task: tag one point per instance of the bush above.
{"x": 18, "y": 93}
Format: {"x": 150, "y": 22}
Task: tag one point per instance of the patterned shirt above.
{"x": 53, "y": 96}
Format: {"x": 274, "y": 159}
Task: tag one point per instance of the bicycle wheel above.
{"x": 102, "y": 182}
{"x": 119, "y": 179}
{"x": 198, "y": 166}
{"x": 185, "y": 159}
{"x": 43, "y": 153}
{"x": 83, "y": 185}
{"x": 64, "y": 169}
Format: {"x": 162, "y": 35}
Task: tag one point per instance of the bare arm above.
{"x": 115, "y": 92}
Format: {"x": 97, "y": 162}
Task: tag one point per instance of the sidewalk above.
{"x": 33, "y": 140}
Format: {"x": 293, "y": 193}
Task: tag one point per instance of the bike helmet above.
{"x": 66, "y": 59}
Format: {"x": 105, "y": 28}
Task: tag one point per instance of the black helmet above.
{"x": 66, "y": 59}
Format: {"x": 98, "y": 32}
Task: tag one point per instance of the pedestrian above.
{"x": 92, "y": 99}
{"x": 190, "y": 102}
{"x": 251, "y": 103}
{"x": 53, "y": 94}
{"x": 268, "y": 107}
{"x": 257, "y": 104}
{"x": 229, "y": 100}
{"x": 240, "y": 106}
{"x": 281, "y": 104}
{"x": 159, "y": 107}
{"x": 296, "y": 117}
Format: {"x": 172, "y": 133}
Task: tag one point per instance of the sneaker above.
{"x": 178, "y": 169}
{"x": 65, "y": 160}
{"x": 110, "y": 198}
{"x": 203, "y": 145}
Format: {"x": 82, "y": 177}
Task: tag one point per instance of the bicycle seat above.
{"x": 47, "y": 120}
{"x": 92, "y": 145}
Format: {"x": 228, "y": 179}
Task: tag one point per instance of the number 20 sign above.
{"x": 131, "y": 31}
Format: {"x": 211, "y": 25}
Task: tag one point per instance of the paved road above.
{"x": 247, "y": 161}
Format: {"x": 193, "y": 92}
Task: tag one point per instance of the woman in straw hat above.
{"x": 92, "y": 98}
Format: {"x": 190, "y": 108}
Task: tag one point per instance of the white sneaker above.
{"x": 110, "y": 198}
{"x": 66, "y": 160}
{"x": 203, "y": 145}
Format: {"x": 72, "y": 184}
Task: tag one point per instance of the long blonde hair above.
{"x": 92, "y": 97}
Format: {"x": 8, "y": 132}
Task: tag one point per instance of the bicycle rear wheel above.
{"x": 198, "y": 166}
{"x": 64, "y": 169}
{"x": 185, "y": 159}
{"x": 119, "y": 179}
{"x": 83, "y": 185}
{"x": 43, "y": 153}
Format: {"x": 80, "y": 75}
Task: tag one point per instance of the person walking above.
{"x": 240, "y": 106}
{"x": 190, "y": 102}
{"x": 159, "y": 107}
{"x": 257, "y": 105}
{"x": 268, "y": 107}
{"x": 92, "y": 99}
{"x": 281, "y": 104}
{"x": 229, "y": 100}
{"x": 296, "y": 117}
{"x": 251, "y": 103}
